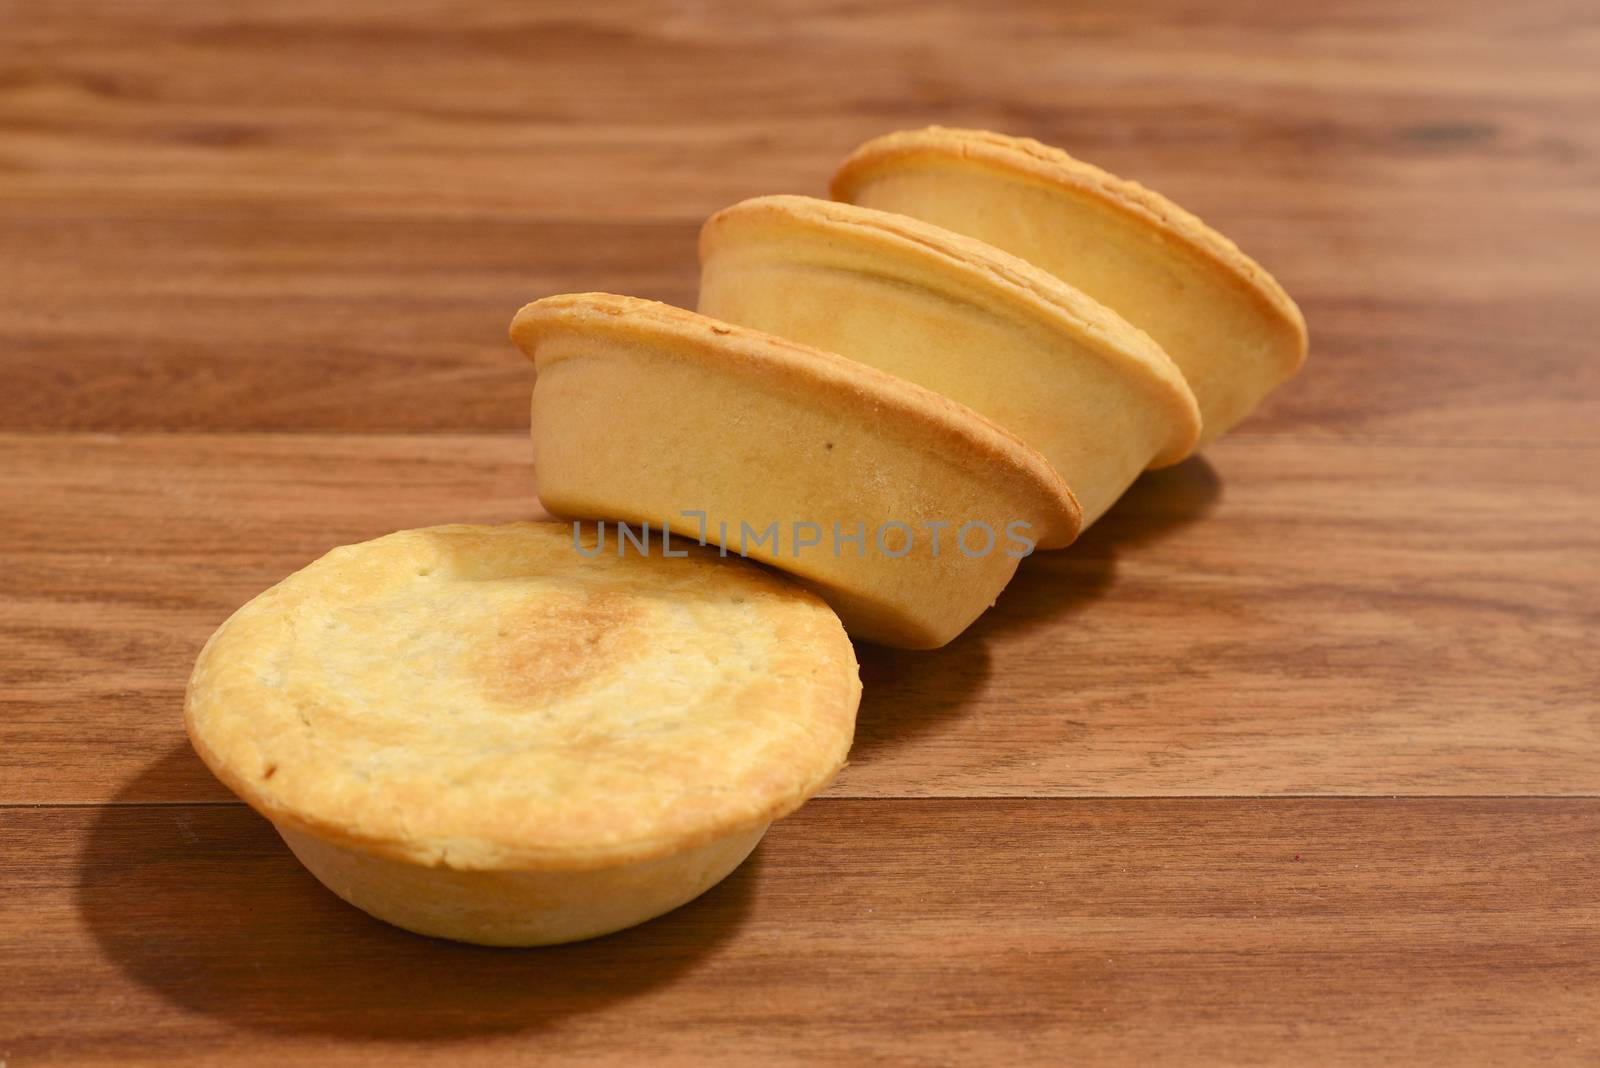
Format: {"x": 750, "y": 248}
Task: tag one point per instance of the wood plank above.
{"x": 1283, "y": 617}
{"x": 258, "y": 319}
{"x": 898, "y": 932}
{"x": 331, "y": 252}
{"x": 318, "y": 218}
{"x": 474, "y": 107}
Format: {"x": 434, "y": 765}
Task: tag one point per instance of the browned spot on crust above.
{"x": 537, "y": 655}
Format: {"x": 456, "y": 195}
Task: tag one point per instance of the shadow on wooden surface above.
{"x": 1053, "y": 586}
{"x": 905, "y": 693}
{"x": 170, "y": 912}
{"x": 1158, "y": 505}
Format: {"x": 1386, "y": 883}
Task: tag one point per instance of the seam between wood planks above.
{"x": 1330, "y": 439}
{"x": 1042, "y": 798}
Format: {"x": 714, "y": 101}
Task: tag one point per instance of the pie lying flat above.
{"x": 1229, "y": 325}
{"x": 904, "y": 509}
{"x": 487, "y": 734}
{"x": 1096, "y": 396}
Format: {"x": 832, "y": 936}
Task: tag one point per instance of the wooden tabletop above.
{"x": 1294, "y": 758}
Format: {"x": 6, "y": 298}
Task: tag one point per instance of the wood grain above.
{"x": 256, "y": 266}
{"x": 196, "y": 240}
{"x": 906, "y": 932}
{"x": 1280, "y": 617}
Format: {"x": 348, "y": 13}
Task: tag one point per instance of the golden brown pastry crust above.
{"x": 485, "y": 698}
{"x": 643, "y": 412}
{"x": 944, "y": 261}
{"x": 1053, "y": 166}
{"x": 953, "y": 428}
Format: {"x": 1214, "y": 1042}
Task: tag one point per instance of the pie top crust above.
{"x": 487, "y": 698}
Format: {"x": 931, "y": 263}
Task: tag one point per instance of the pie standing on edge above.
{"x": 1095, "y": 396}
{"x": 896, "y": 504}
{"x": 1227, "y": 322}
